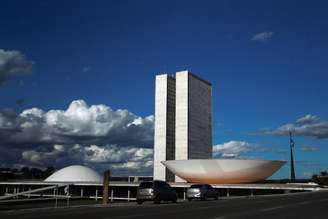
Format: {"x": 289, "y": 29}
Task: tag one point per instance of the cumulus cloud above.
{"x": 232, "y": 149}
{"x": 114, "y": 154}
{"x": 13, "y": 63}
{"x": 237, "y": 149}
{"x": 308, "y": 126}
{"x": 263, "y": 36}
{"x": 118, "y": 159}
{"x": 95, "y": 135}
{"x": 308, "y": 120}
{"x": 37, "y": 157}
{"x": 78, "y": 124}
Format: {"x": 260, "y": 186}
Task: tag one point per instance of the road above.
{"x": 300, "y": 205}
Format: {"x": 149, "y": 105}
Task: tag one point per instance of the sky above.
{"x": 77, "y": 79}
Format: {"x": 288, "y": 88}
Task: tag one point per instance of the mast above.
{"x": 292, "y": 169}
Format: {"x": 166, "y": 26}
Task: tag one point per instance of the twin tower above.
{"x": 183, "y": 121}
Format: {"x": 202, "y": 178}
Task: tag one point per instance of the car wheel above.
{"x": 216, "y": 197}
{"x": 203, "y": 198}
{"x": 157, "y": 200}
{"x": 139, "y": 202}
{"x": 190, "y": 199}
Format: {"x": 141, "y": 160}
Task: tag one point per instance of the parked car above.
{"x": 202, "y": 192}
{"x": 156, "y": 191}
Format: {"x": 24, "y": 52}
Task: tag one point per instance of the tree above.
{"x": 321, "y": 179}
{"x": 47, "y": 172}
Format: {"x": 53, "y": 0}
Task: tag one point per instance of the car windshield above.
{"x": 146, "y": 185}
{"x": 196, "y": 186}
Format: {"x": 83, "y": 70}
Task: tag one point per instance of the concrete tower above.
{"x": 164, "y": 141}
{"x": 183, "y": 121}
{"x": 193, "y": 118}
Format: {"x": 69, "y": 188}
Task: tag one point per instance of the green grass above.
{"x": 47, "y": 203}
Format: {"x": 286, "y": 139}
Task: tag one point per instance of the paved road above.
{"x": 303, "y": 205}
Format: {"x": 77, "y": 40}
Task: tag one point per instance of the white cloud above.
{"x": 13, "y": 63}
{"x": 134, "y": 166}
{"x": 80, "y": 123}
{"x": 104, "y": 157}
{"x": 37, "y": 157}
{"x": 263, "y": 36}
{"x": 232, "y": 149}
{"x": 95, "y": 135}
{"x": 238, "y": 149}
{"x": 308, "y": 119}
{"x": 114, "y": 154}
{"x": 309, "y": 126}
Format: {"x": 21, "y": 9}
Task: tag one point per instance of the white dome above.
{"x": 75, "y": 173}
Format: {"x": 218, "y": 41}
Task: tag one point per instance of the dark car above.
{"x": 202, "y": 192}
{"x": 156, "y": 191}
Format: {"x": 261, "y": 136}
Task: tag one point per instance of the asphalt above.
{"x": 294, "y": 205}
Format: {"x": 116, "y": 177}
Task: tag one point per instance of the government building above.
{"x": 183, "y": 121}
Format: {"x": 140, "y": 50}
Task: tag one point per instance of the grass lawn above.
{"x": 47, "y": 203}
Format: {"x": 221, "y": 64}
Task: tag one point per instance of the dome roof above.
{"x": 75, "y": 173}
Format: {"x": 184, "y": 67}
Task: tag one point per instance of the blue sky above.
{"x": 267, "y": 61}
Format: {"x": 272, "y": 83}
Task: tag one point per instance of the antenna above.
{"x": 292, "y": 169}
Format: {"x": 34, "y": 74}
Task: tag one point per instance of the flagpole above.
{"x": 292, "y": 169}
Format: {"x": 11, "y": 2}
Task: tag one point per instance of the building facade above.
{"x": 164, "y": 140}
{"x": 193, "y": 123}
{"x": 183, "y": 121}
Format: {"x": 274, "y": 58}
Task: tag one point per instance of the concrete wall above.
{"x": 170, "y": 125}
{"x": 181, "y": 113}
{"x": 164, "y": 125}
{"x": 199, "y": 119}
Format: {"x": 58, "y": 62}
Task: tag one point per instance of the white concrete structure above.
{"x": 223, "y": 171}
{"x": 164, "y": 140}
{"x": 193, "y": 124}
{"x": 76, "y": 174}
{"x": 183, "y": 120}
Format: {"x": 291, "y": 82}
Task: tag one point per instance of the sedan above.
{"x": 202, "y": 192}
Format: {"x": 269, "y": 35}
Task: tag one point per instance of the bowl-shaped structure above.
{"x": 221, "y": 171}
{"x": 75, "y": 173}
